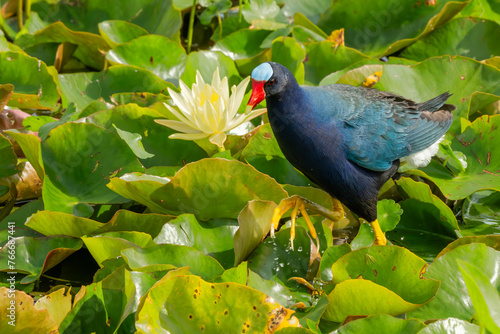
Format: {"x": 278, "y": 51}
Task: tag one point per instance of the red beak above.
{"x": 258, "y": 93}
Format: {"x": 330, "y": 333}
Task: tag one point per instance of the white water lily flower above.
{"x": 208, "y": 110}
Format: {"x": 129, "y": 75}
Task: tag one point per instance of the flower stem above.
{"x": 220, "y": 26}
{"x": 20, "y": 14}
{"x": 239, "y": 13}
{"x": 191, "y": 26}
{"x": 221, "y": 149}
{"x": 28, "y": 9}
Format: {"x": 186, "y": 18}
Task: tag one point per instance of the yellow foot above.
{"x": 299, "y": 203}
{"x": 379, "y": 235}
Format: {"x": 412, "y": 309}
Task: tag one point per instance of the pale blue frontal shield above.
{"x": 262, "y": 72}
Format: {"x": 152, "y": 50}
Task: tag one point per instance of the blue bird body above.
{"x": 348, "y": 140}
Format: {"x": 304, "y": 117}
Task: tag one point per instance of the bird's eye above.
{"x": 271, "y": 82}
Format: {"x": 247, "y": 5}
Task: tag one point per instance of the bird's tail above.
{"x": 435, "y": 103}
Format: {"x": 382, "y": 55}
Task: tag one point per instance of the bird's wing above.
{"x": 379, "y": 127}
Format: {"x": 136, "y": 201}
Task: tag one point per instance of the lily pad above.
{"x": 90, "y": 46}
{"x": 149, "y": 140}
{"x": 466, "y": 75}
{"x": 184, "y": 302}
{"x": 34, "y": 86}
{"x": 368, "y": 275}
{"x": 485, "y": 297}
{"x": 84, "y": 88}
{"x": 382, "y": 28}
{"x": 109, "y": 245}
{"x": 381, "y": 323}
{"x": 206, "y": 62}
{"x": 117, "y": 32}
{"x": 9, "y": 158}
{"x": 324, "y": 58}
{"x": 467, "y": 37}
{"x": 451, "y": 325}
{"x": 158, "y": 54}
{"x": 78, "y": 170}
{"x": 200, "y": 188}
{"x": 254, "y": 224}
{"x": 452, "y": 299}
{"x": 187, "y": 230}
{"x": 58, "y": 223}
{"x": 479, "y": 143}
{"x": 165, "y": 256}
{"x": 23, "y": 317}
{"x": 36, "y": 255}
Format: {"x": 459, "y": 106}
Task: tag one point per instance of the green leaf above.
{"x": 485, "y": 297}
{"x": 330, "y": 256}
{"x": 9, "y": 158}
{"x": 90, "y": 46}
{"x": 479, "y": 143}
{"x": 215, "y": 8}
{"x": 381, "y": 323}
{"x": 165, "y": 256}
{"x": 323, "y": 58}
{"x": 466, "y": 76}
{"x": 79, "y": 159}
{"x": 37, "y": 255}
{"x": 188, "y": 231}
{"x": 30, "y": 144}
{"x": 124, "y": 220}
{"x": 422, "y": 192}
{"x": 243, "y": 276}
{"x": 184, "y": 302}
{"x": 260, "y": 10}
{"x": 57, "y": 223}
{"x": 451, "y": 325}
{"x": 206, "y": 62}
{"x": 84, "y": 88}
{"x": 467, "y": 37}
{"x": 290, "y": 54}
{"x": 117, "y": 32}
{"x": 274, "y": 260}
{"x": 382, "y": 28}
{"x": 368, "y": 275}
{"x": 421, "y": 221}
{"x": 34, "y": 86}
{"x": 89, "y": 300}
{"x": 157, "y": 149}
{"x": 452, "y": 299}
{"x": 158, "y": 54}
{"x": 26, "y": 317}
{"x": 109, "y": 245}
{"x": 57, "y": 303}
{"x": 480, "y": 213}
{"x": 200, "y": 188}
{"x": 254, "y": 221}
{"x": 388, "y": 214}
{"x": 33, "y": 123}
{"x": 242, "y": 44}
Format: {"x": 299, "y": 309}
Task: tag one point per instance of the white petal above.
{"x": 180, "y": 116}
{"x": 216, "y": 79}
{"x": 218, "y": 139}
{"x": 199, "y": 79}
{"x": 188, "y": 136}
{"x": 244, "y": 118}
{"x": 224, "y": 87}
{"x": 186, "y": 92}
{"x": 177, "y": 126}
{"x": 181, "y": 103}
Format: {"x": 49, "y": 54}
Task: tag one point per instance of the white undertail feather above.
{"x": 423, "y": 158}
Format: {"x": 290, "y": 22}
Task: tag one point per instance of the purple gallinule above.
{"x": 347, "y": 140}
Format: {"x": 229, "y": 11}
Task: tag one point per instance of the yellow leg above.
{"x": 379, "y": 235}
{"x": 299, "y": 203}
